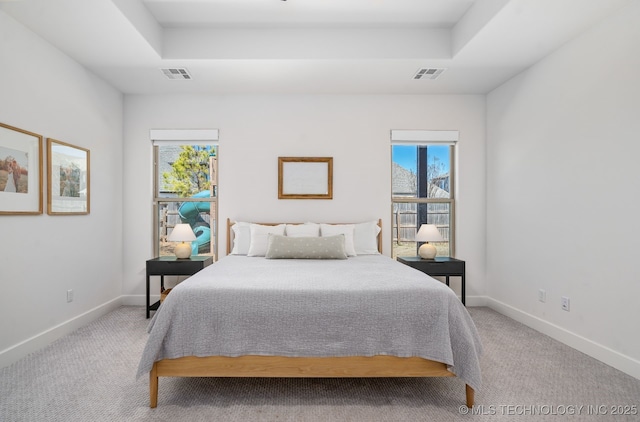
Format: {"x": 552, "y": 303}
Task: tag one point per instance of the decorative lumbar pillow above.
{"x": 303, "y": 230}
{"x": 346, "y": 229}
{"x": 241, "y": 238}
{"x": 365, "y": 238}
{"x": 260, "y": 237}
{"x": 286, "y": 247}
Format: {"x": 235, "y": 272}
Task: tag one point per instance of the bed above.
{"x": 364, "y": 316}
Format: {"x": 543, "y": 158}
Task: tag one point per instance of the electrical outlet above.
{"x": 70, "y": 295}
{"x": 565, "y": 303}
{"x": 542, "y": 295}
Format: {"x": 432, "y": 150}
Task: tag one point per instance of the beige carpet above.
{"x": 89, "y": 376}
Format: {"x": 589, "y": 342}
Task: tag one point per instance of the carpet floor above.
{"x": 89, "y": 375}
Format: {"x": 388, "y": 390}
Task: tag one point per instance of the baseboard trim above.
{"x": 624, "y": 363}
{"x": 476, "y": 301}
{"x": 14, "y": 353}
{"x": 138, "y": 300}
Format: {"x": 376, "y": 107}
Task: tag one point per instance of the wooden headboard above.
{"x": 231, "y": 223}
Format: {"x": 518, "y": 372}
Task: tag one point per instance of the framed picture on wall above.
{"x": 20, "y": 171}
{"x": 305, "y": 177}
{"x": 68, "y": 182}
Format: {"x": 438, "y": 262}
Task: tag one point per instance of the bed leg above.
{"x": 470, "y": 396}
{"x": 153, "y": 386}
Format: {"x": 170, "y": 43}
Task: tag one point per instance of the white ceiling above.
{"x": 308, "y": 46}
{"x": 307, "y": 12}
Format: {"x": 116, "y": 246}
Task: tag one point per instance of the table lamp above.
{"x": 428, "y": 233}
{"x": 182, "y": 233}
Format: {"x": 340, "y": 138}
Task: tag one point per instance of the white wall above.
{"x": 255, "y": 130}
{"x": 562, "y": 192}
{"x": 45, "y": 92}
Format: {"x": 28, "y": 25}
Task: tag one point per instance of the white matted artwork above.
{"x": 20, "y": 171}
{"x": 305, "y": 177}
{"x": 68, "y": 179}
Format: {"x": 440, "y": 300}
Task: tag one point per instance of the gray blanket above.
{"x": 363, "y": 306}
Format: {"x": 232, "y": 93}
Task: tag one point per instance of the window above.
{"x": 422, "y": 193}
{"x": 186, "y": 191}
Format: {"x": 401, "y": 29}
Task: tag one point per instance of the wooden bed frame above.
{"x": 297, "y": 367}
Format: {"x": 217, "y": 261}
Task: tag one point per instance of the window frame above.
{"x": 416, "y": 200}
{"x": 157, "y": 199}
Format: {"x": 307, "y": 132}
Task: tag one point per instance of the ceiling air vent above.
{"x": 428, "y": 73}
{"x": 177, "y": 73}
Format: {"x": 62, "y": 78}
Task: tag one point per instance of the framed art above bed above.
{"x": 305, "y": 177}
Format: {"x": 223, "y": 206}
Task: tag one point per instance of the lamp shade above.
{"x": 429, "y": 233}
{"x": 182, "y": 233}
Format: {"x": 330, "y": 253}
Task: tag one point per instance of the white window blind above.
{"x": 183, "y": 136}
{"x": 402, "y": 136}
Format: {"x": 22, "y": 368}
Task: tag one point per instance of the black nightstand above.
{"x": 440, "y": 266}
{"x": 170, "y": 265}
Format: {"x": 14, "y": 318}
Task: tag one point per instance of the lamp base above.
{"x": 182, "y": 250}
{"x": 427, "y": 251}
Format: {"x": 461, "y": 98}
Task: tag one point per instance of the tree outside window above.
{"x": 186, "y": 171}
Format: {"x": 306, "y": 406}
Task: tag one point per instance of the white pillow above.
{"x": 303, "y": 230}
{"x": 241, "y": 238}
{"x": 365, "y": 238}
{"x": 260, "y": 238}
{"x": 345, "y": 229}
